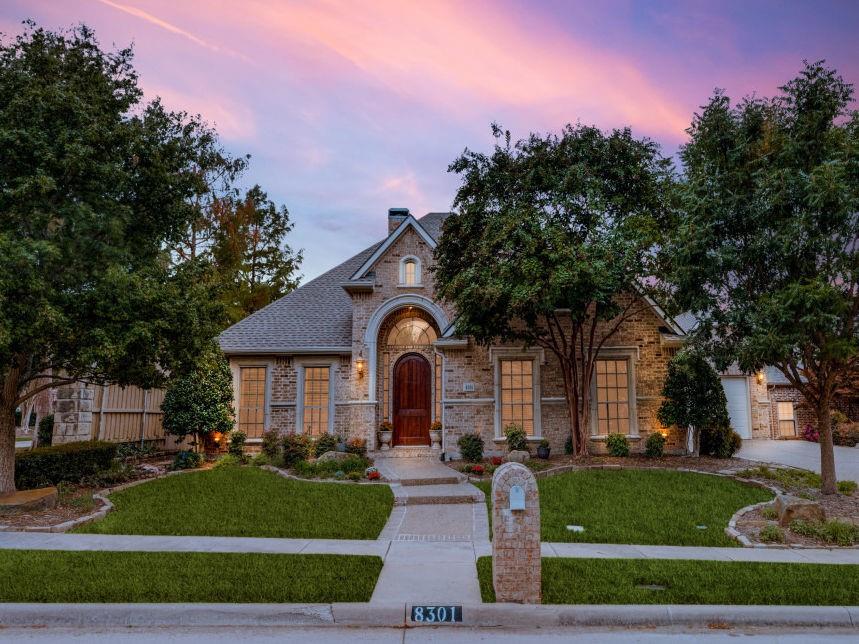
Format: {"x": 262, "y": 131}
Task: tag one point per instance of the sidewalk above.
{"x": 434, "y": 551}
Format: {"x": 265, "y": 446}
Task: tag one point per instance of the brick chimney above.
{"x": 396, "y": 216}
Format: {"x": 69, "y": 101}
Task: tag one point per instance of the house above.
{"x": 368, "y": 342}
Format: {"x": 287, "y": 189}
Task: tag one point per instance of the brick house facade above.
{"x": 367, "y": 342}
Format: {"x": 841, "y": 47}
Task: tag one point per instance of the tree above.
{"x": 694, "y": 398}
{"x": 94, "y": 186}
{"x": 200, "y": 402}
{"x": 249, "y": 250}
{"x": 552, "y": 245}
{"x": 766, "y": 251}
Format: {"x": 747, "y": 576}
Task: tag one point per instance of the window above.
{"x": 786, "y": 419}
{"x": 411, "y": 332}
{"x": 252, "y": 401}
{"x": 517, "y": 394}
{"x": 612, "y": 397}
{"x": 410, "y": 271}
{"x": 315, "y": 418}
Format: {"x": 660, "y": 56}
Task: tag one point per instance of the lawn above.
{"x": 655, "y": 507}
{"x": 623, "y": 581}
{"x": 247, "y": 502}
{"x": 63, "y": 576}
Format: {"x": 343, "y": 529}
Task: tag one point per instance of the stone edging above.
{"x": 285, "y": 474}
{"x": 106, "y": 505}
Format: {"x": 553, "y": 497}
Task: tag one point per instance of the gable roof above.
{"x": 314, "y": 318}
{"x": 408, "y": 222}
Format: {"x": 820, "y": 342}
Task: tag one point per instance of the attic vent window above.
{"x": 410, "y": 271}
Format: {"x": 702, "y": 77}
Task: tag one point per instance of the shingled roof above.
{"x": 315, "y": 317}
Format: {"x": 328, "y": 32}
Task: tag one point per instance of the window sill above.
{"x": 530, "y": 439}
{"x": 410, "y": 285}
{"x": 632, "y": 437}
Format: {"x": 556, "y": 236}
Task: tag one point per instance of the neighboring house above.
{"x": 368, "y": 342}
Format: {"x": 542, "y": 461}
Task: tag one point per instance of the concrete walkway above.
{"x": 803, "y": 454}
{"x": 436, "y": 551}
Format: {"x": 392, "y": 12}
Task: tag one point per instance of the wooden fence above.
{"x": 130, "y": 414}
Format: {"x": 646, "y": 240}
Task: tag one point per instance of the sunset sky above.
{"x": 349, "y": 107}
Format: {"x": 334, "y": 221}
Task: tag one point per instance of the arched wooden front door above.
{"x": 412, "y": 400}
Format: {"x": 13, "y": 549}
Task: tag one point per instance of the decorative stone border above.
{"x": 106, "y": 505}
{"x": 285, "y": 474}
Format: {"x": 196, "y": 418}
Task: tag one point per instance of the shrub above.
{"x": 617, "y": 444}
{"x": 237, "y": 443}
{"x": 517, "y": 439}
{"x": 200, "y": 402}
{"x": 135, "y": 451}
{"x": 117, "y": 473}
{"x": 834, "y": 531}
{"x": 356, "y": 445}
{"x": 769, "y": 512}
{"x": 846, "y": 434}
{"x": 187, "y": 460}
{"x": 654, "y": 446}
{"x": 568, "y": 445}
{"x": 329, "y": 469}
{"x": 46, "y": 431}
{"x": 720, "y": 441}
{"x": 325, "y": 443}
{"x": 271, "y": 443}
{"x": 771, "y": 534}
{"x": 296, "y": 447}
{"x": 70, "y": 462}
{"x": 471, "y": 447}
{"x": 354, "y": 476}
{"x": 261, "y": 459}
{"x": 228, "y": 460}
{"x": 810, "y": 433}
{"x": 847, "y": 488}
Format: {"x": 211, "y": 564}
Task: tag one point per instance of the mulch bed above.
{"x": 76, "y": 501}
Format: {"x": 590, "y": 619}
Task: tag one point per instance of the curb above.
{"x": 398, "y": 615}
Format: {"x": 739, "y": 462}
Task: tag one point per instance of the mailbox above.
{"x": 517, "y": 498}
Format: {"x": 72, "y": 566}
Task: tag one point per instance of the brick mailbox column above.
{"x": 515, "y": 535}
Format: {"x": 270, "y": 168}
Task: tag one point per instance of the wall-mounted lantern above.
{"x": 359, "y": 364}
{"x": 759, "y": 376}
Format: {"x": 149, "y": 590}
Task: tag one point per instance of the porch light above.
{"x": 216, "y": 436}
{"x": 359, "y": 364}
{"x": 759, "y": 376}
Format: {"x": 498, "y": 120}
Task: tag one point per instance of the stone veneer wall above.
{"x": 73, "y": 413}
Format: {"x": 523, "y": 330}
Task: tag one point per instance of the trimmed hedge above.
{"x": 69, "y": 462}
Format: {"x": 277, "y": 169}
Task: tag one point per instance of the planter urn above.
{"x": 543, "y": 452}
{"x": 435, "y": 438}
{"x": 385, "y": 439}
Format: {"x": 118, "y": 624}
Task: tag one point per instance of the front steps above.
{"x": 403, "y": 451}
{"x": 422, "y": 481}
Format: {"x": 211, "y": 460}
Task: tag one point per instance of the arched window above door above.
{"x": 411, "y": 332}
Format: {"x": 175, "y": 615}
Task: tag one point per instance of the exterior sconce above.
{"x": 359, "y": 364}
{"x": 759, "y": 376}
{"x": 216, "y": 436}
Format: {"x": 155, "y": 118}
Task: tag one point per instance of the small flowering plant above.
{"x": 372, "y": 474}
{"x": 810, "y": 433}
{"x": 496, "y": 460}
{"x": 386, "y": 426}
{"x": 436, "y": 426}
{"x": 477, "y": 469}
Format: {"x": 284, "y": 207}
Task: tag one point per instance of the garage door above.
{"x": 737, "y": 393}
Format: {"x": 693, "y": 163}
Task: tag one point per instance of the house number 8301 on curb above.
{"x": 436, "y": 614}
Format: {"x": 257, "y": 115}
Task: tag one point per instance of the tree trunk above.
{"x": 827, "y": 452}
{"x": 579, "y": 445}
{"x": 7, "y": 431}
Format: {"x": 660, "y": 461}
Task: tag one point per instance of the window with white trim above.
{"x": 251, "y": 419}
{"x": 786, "y": 419}
{"x": 316, "y": 400}
{"x": 517, "y": 394}
{"x": 612, "y": 396}
{"x": 410, "y": 271}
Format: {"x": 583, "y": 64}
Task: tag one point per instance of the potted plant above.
{"x": 435, "y": 435}
{"x": 543, "y": 449}
{"x": 386, "y": 434}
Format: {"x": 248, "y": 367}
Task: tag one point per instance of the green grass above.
{"x": 654, "y": 507}
{"x": 63, "y": 576}
{"x": 247, "y": 502}
{"x": 618, "y": 581}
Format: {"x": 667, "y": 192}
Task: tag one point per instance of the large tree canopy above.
{"x": 552, "y": 245}
{"x": 94, "y": 186}
{"x": 766, "y": 254}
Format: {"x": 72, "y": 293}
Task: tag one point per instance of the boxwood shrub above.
{"x": 70, "y": 462}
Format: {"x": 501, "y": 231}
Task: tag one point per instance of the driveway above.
{"x": 802, "y": 454}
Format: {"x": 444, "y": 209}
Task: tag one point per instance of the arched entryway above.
{"x": 412, "y": 400}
